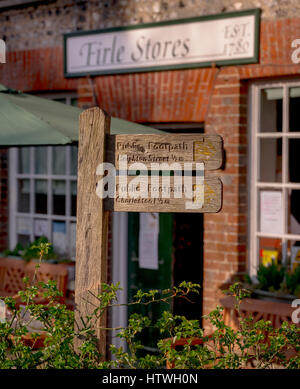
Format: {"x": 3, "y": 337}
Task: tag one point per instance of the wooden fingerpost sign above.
{"x": 143, "y": 173}
{"x": 92, "y": 222}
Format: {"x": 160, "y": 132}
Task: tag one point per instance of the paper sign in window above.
{"x": 271, "y": 212}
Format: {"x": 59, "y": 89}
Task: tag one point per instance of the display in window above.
{"x": 268, "y": 257}
{"x": 295, "y": 257}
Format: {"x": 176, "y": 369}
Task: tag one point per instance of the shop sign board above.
{"x": 223, "y": 39}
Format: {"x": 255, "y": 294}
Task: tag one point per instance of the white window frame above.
{"x": 255, "y": 185}
{"x": 14, "y": 176}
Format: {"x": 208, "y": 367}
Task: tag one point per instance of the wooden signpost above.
{"x": 172, "y": 179}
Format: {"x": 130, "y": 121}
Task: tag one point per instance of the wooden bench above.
{"x": 12, "y": 272}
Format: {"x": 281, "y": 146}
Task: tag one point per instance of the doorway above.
{"x": 180, "y": 254}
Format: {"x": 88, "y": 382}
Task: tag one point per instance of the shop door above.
{"x": 180, "y": 257}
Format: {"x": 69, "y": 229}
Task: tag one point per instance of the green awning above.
{"x": 30, "y": 120}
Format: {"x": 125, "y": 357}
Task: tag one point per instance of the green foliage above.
{"x": 253, "y": 344}
{"x": 277, "y": 278}
{"x": 292, "y": 281}
{"x": 270, "y": 277}
{"x": 34, "y": 250}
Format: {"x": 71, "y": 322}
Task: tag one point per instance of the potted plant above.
{"x": 275, "y": 283}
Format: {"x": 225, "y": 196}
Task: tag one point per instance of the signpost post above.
{"x": 171, "y": 179}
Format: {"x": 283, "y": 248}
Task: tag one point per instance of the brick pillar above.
{"x": 3, "y": 199}
{"x": 225, "y": 233}
{"x": 86, "y": 96}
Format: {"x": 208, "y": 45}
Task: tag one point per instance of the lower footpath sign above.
{"x": 166, "y": 194}
{"x": 133, "y": 173}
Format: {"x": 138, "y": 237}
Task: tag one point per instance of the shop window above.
{"x": 43, "y": 192}
{"x": 275, "y": 174}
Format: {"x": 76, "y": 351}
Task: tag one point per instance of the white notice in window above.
{"x": 148, "y": 241}
{"x": 271, "y": 215}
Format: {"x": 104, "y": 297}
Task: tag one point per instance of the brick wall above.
{"x": 225, "y": 233}
{"x": 45, "y": 22}
{"x": 216, "y": 96}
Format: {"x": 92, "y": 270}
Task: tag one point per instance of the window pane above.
{"x": 294, "y": 254}
{"x": 24, "y": 225}
{"x": 290, "y": 255}
{"x": 23, "y": 239}
{"x": 40, "y": 162}
{"x": 59, "y": 160}
{"x": 73, "y": 197}
{"x": 270, "y": 160}
{"x": 271, "y": 212}
{"x": 73, "y": 240}
{"x": 40, "y": 196}
{"x": 24, "y": 160}
{"x": 41, "y": 228}
{"x": 294, "y": 107}
{"x": 59, "y": 236}
{"x": 24, "y": 196}
{"x": 294, "y": 211}
{"x": 271, "y": 110}
{"x": 59, "y": 197}
{"x": 294, "y": 160}
{"x": 74, "y": 152}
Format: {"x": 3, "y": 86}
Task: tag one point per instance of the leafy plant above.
{"x": 292, "y": 281}
{"x": 53, "y": 326}
{"x": 276, "y": 278}
{"x": 270, "y": 277}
